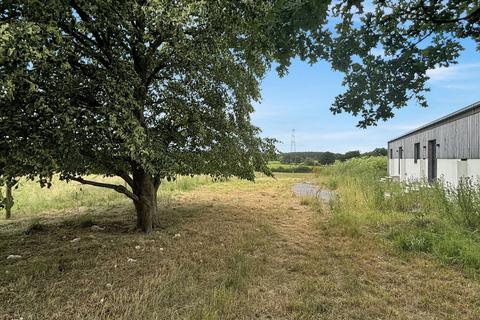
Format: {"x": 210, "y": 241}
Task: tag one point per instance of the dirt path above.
{"x": 227, "y": 251}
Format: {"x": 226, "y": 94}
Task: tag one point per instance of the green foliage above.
{"x": 377, "y": 152}
{"x": 163, "y": 86}
{"x": 311, "y": 158}
{"x": 466, "y": 203}
{"x": 350, "y": 155}
{"x": 447, "y": 243}
{"x": 292, "y": 168}
{"x": 385, "y": 49}
{"x": 367, "y": 167}
{"x": 309, "y": 162}
{"x": 438, "y": 219}
{"x": 143, "y": 90}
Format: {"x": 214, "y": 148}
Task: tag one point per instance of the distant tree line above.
{"x": 311, "y": 158}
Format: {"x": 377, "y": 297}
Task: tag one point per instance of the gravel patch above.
{"x": 306, "y": 189}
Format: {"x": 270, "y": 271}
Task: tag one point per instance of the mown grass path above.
{"x": 233, "y": 250}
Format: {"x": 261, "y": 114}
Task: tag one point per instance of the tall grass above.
{"x": 438, "y": 219}
{"x": 31, "y": 199}
{"x": 277, "y": 166}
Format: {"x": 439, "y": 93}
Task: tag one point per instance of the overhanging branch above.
{"x": 472, "y": 17}
{"x": 118, "y": 188}
{"x": 125, "y": 176}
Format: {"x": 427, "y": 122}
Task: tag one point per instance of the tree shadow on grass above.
{"x": 56, "y": 230}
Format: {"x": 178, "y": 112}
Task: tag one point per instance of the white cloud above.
{"x": 457, "y": 72}
{"x": 401, "y": 127}
{"x": 462, "y": 86}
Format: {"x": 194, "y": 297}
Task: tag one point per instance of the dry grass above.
{"x": 31, "y": 199}
{"x": 245, "y": 251}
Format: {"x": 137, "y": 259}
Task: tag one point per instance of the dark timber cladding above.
{"x": 457, "y": 136}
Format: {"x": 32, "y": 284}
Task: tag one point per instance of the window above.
{"x": 416, "y": 152}
{"x": 391, "y": 153}
{"x": 400, "y": 157}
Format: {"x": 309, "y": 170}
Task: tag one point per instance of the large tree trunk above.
{"x": 145, "y": 189}
{"x": 8, "y": 202}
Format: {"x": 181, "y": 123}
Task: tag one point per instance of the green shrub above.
{"x": 465, "y": 206}
{"x": 295, "y": 169}
{"x": 365, "y": 167}
{"x": 413, "y": 239}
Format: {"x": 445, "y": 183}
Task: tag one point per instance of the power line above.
{"x": 293, "y": 149}
{"x": 293, "y": 145}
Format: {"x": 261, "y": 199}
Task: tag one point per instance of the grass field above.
{"x": 31, "y": 199}
{"x": 277, "y": 166}
{"x": 227, "y": 250}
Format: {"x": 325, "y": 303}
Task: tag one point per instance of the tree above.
{"x": 146, "y": 90}
{"x": 326, "y": 158}
{"x": 143, "y": 90}
{"x": 385, "y": 49}
{"x": 309, "y": 161}
{"x": 377, "y": 152}
{"x": 350, "y": 155}
{"x": 8, "y": 201}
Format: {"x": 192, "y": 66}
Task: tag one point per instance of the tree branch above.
{"x": 101, "y": 40}
{"x": 157, "y": 180}
{"x": 473, "y": 16}
{"x": 87, "y": 19}
{"x": 118, "y": 188}
{"x": 86, "y": 44}
{"x": 154, "y": 73}
{"x": 125, "y": 176}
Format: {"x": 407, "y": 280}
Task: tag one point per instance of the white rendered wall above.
{"x": 412, "y": 170}
{"x": 392, "y": 168}
{"x": 447, "y": 170}
{"x": 450, "y": 170}
{"x": 473, "y": 167}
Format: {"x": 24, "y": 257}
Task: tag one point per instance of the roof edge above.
{"x": 439, "y": 120}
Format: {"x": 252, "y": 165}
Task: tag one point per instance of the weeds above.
{"x": 466, "y": 203}
{"x": 34, "y": 227}
{"x": 438, "y": 219}
{"x": 314, "y": 202}
{"x": 83, "y": 221}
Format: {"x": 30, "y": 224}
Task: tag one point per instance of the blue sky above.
{"x": 302, "y": 99}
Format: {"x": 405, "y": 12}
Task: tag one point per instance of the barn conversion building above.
{"x": 447, "y": 149}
